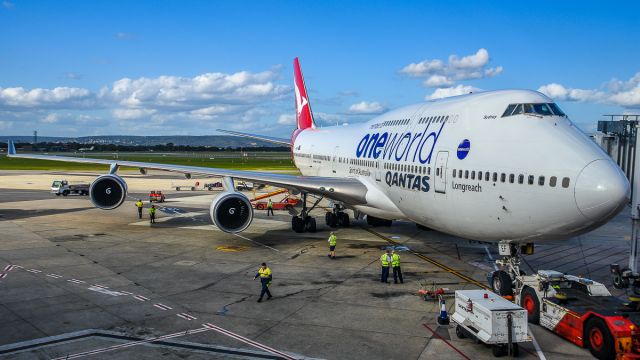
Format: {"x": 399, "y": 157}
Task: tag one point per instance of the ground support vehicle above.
{"x": 62, "y": 187}
{"x": 156, "y": 196}
{"x": 287, "y": 203}
{"x": 489, "y": 318}
{"x": 582, "y": 311}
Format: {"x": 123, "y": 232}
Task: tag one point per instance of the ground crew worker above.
{"x": 270, "y": 208}
{"x": 395, "y": 264}
{"x": 152, "y": 214}
{"x": 264, "y": 273}
{"x": 385, "y": 260}
{"x": 333, "y": 240}
{"x": 139, "y": 205}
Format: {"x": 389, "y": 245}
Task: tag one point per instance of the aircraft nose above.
{"x": 601, "y": 190}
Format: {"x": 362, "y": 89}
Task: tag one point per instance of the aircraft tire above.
{"x": 501, "y": 283}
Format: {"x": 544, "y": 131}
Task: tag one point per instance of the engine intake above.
{"x": 107, "y": 192}
{"x": 231, "y": 212}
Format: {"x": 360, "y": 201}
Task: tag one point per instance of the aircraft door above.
{"x": 378, "y": 170}
{"x": 441, "y": 172}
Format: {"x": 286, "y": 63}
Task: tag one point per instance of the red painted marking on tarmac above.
{"x": 447, "y": 342}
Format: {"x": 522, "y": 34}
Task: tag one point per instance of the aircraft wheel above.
{"x": 297, "y": 224}
{"x": 501, "y": 283}
{"x": 460, "y": 333}
{"x": 310, "y": 224}
{"x": 343, "y": 219}
{"x": 331, "y": 220}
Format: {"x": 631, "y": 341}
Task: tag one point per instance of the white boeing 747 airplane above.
{"x": 493, "y": 166}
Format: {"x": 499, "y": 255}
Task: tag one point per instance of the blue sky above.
{"x": 77, "y": 68}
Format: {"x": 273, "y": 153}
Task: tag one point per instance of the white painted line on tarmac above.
{"x": 75, "y": 281}
{"x": 255, "y": 242}
{"x": 9, "y": 268}
{"x": 35, "y": 271}
{"x": 187, "y": 316}
{"x": 141, "y": 298}
{"x": 248, "y": 341}
{"x": 100, "y": 286}
{"x": 537, "y": 346}
{"x": 3, "y": 275}
{"x": 55, "y": 276}
{"x": 162, "y": 306}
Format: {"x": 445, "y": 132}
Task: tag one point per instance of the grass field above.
{"x": 254, "y": 161}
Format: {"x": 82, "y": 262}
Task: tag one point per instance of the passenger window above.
{"x": 503, "y": 177}
{"x": 531, "y": 177}
{"x": 486, "y": 176}
{"x": 517, "y": 110}
{"x": 473, "y": 175}
{"x": 520, "y": 179}
{"x": 428, "y": 171}
{"x": 454, "y": 173}
{"x": 565, "y": 182}
{"x": 495, "y": 177}
{"x": 466, "y": 174}
{"x": 511, "y": 178}
{"x": 509, "y": 110}
{"x": 552, "y": 181}
{"x": 541, "y": 180}
{"x": 437, "y": 171}
{"x": 460, "y": 174}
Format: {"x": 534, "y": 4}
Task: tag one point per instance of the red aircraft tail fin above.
{"x": 304, "y": 116}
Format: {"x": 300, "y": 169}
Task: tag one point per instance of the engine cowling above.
{"x": 231, "y": 212}
{"x": 107, "y": 192}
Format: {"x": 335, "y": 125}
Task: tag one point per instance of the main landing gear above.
{"x": 504, "y": 281}
{"x": 337, "y": 217}
{"x": 303, "y": 222}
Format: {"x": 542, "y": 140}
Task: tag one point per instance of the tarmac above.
{"x": 104, "y": 284}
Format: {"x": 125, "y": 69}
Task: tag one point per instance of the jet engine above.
{"x": 107, "y": 192}
{"x": 231, "y": 212}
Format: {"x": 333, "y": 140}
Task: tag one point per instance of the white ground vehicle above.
{"x": 62, "y": 187}
{"x": 491, "y": 319}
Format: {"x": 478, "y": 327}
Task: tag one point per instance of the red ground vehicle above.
{"x": 288, "y": 202}
{"x": 156, "y": 196}
{"x": 583, "y": 312}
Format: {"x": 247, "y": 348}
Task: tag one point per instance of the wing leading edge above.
{"x": 348, "y": 190}
{"x": 270, "y": 139}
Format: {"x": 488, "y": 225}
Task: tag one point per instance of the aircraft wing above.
{"x": 270, "y": 139}
{"x": 348, "y": 190}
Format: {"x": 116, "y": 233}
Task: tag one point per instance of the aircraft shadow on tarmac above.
{"x": 17, "y": 214}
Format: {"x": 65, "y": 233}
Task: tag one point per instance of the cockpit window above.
{"x": 556, "y": 109}
{"x": 518, "y": 110}
{"x": 542, "y": 109}
{"x": 509, "y": 110}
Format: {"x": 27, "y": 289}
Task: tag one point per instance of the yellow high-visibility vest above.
{"x": 384, "y": 261}
{"x": 395, "y": 260}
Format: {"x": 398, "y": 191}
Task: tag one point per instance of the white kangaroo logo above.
{"x": 301, "y": 101}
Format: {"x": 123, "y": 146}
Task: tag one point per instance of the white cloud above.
{"x": 131, "y": 114}
{"x": 60, "y": 97}
{"x": 8, "y": 4}
{"x": 365, "y": 107}
{"x": 50, "y": 119}
{"x": 287, "y": 119}
{"x": 616, "y": 92}
{"x": 438, "y": 73}
{"x": 451, "y": 91}
{"x": 73, "y": 76}
{"x": 123, "y": 35}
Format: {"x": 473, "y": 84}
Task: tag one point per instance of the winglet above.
{"x": 11, "y": 148}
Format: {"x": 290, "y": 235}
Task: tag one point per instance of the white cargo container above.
{"x": 484, "y": 315}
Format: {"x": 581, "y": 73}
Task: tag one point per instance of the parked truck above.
{"x": 64, "y": 188}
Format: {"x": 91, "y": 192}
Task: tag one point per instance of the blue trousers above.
{"x": 265, "y": 289}
{"x": 385, "y": 274}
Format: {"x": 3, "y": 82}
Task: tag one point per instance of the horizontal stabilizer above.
{"x": 270, "y": 139}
